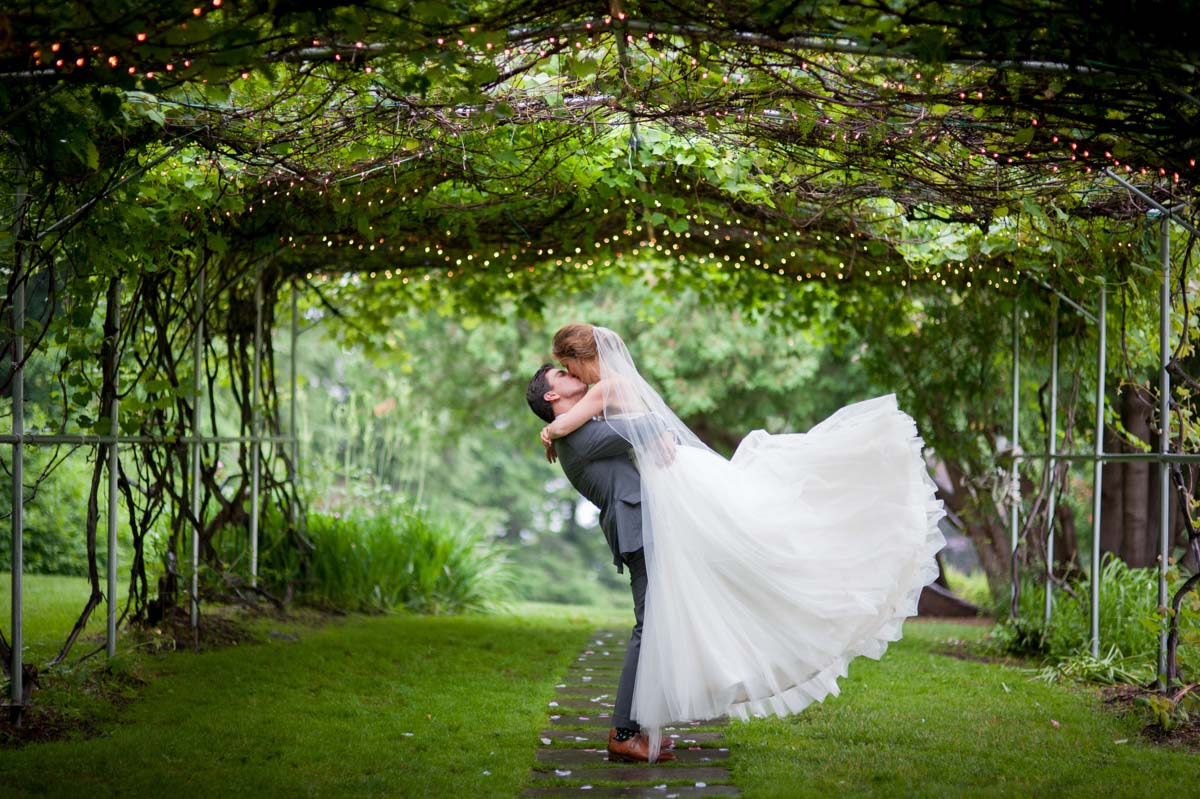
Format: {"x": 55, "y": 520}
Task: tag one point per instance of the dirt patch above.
{"x": 219, "y": 628}
{"x": 45, "y": 721}
{"x": 40, "y": 724}
{"x": 981, "y": 658}
{"x": 974, "y": 621}
{"x": 979, "y": 652}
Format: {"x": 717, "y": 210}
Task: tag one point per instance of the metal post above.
{"x": 295, "y": 466}
{"x": 18, "y": 478}
{"x": 198, "y": 365}
{"x": 256, "y": 424}
{"x": 1015, "y": 495}
{"x": 1101, "y": 321}
{"x": 1164, "y": 436}
{"x": 114, "y": 305}
{"x": 1052, "y": 462}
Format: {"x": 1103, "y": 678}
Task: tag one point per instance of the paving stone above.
{"x": 590, "y": 720}
{"x": 599, "y": 664}
{"x": 640, "y": 791}
{"x": 608, "y": 679}
{"x": 645, "y": 773}
{"x": 591, "y": 737}
{"x": 610, "y": 648}
{"x": 607, "y": 693}
{"x": 580, "y": 706}
{"x": 566, "y": 758}
{"x": 593, "y": 682}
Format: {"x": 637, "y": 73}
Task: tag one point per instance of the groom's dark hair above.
{"x": 535, "y": 395}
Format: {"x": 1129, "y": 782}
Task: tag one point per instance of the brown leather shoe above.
{"x": 635, "y": 750}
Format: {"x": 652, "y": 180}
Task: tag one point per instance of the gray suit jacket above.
{"x": 599, "y": 463}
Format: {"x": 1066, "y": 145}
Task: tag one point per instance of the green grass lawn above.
{"x": 51, "y": 606}
{"x": 415, "y": 706}
{"x": 923, "y": 724}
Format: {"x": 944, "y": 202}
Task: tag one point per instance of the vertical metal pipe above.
{"x": 1052, "y": 462}
{"x": 256, "y": 424}
{"x": 18, "y": 479}
{"x": 198, "y": 367}
{"x": 295, "y": 466}
{"x": 1164, "y": 435}
{"x": 1015, "y": 485}
{"x": 1098, "y": 473}
{"x": 114, "y": 304}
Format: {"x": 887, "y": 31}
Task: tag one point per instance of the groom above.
{"x": 597, "y": 461}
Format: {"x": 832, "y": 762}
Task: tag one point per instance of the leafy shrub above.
{"x": 1130, "y": 623}
{"x": 1169, "y": 713}
{"x": 1020, "y": 636}
{"x": 401, "y": 557}
{"x": 378, "y": 559}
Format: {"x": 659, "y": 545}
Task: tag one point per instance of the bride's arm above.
{"x": 591, "y": 404}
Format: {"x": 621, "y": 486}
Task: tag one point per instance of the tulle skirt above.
{"x": 769, "y": 572}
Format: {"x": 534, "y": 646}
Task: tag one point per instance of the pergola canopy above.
{"x": 481, "y": 141}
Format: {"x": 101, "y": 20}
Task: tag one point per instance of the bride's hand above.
{"x": 664, "y": 450}
{"x": 551, "y": 454}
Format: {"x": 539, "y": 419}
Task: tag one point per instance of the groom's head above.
{"x": 553, "y": 391}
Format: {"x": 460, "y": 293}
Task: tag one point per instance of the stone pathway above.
{"x": 573, "y": 758}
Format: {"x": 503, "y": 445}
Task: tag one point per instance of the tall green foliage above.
{"x": 1129, "y": 623}
{"x": 380, "y": 557}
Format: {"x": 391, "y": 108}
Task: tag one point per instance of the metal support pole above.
{"x": 198, "y": 366}
{"x": 295, "y": 465}
{"x": 18, "y": 489}
{"x": 114, "y": 305}
{"x": 1164, "y": 437}
{"x": 256, "y": 424}
{"x": 1015, "y": 495}
{"x": 1098, "y": 473}
{"x": 1052, "y": 463}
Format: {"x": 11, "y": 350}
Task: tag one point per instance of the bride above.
{"x": 770, "y": 571}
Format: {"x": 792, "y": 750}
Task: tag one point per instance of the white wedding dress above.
{"x": 770, "y": 571}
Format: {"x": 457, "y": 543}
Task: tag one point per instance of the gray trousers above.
{"x": 636, "y": 562}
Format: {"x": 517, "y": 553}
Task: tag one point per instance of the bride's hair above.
{"x": 576, "y": 341}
